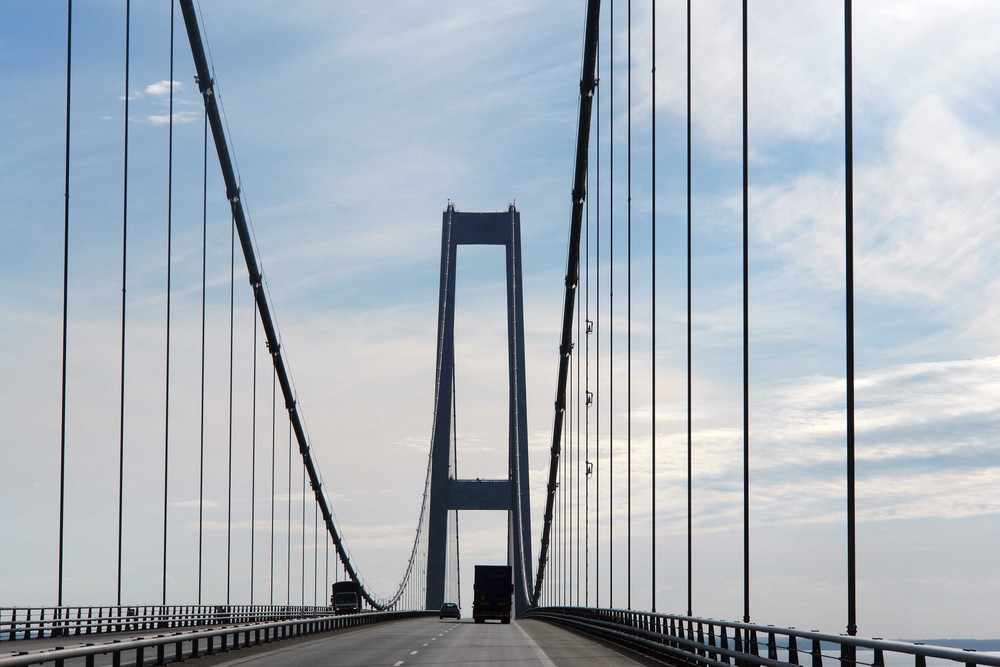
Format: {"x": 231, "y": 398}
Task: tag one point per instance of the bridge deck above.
{"x": 434, "y": 642}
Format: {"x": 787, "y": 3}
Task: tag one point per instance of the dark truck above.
{"x": 346, "y": 597}
{"x": 492, "y": 593}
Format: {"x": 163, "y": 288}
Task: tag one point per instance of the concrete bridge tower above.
{"x": 510, "y": 495}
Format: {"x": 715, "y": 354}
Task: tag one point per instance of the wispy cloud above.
{"x": 180, "y": 118}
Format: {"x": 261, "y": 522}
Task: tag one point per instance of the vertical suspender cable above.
{"x": 253, "y": 445}
{"x": 586, "y": 421}
{"x": 454, "y": 469}
{"x": 274, "y": 451}
{"x": 597, "y": 354}
{"x": 229, "y": 483}
{"x": 652, "y": 567}
{"x": 611, "y": 310}
{"x": 121, "y": 404}
{"x": 576, "y": 473}
{"x": 288, "y": 523}
{"x": 65, "y": 319}
{"x": 201, "y": 426}
{"x": 166, "y": 401}
{"x": 746, "y": 341}
{"x": 852, "y": 620}
{"x": 628, "y": 355}
{"x": 689, "y": 532}
{"x": 303, "y": 584}
{"x": 315, "y": 551}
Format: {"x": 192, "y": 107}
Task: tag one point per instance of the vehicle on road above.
{"x": 492, "y": 591}
{"x": 450, "y": 610}
{"x": 346, "y": 597}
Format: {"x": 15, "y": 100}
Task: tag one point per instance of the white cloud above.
{"x": 162, "y": 88}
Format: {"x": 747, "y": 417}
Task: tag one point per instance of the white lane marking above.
{"x": 542, "y": 658}
{"x": 434, "y": 639}
{"x": 414, "y": 652}
{"x": 397, "y": 663}
{"x": 425, "y": 644}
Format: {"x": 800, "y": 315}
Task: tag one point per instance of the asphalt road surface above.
{"x": 434, "y": 642}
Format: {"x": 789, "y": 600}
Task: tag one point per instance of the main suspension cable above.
{"x": 587, "y": 85}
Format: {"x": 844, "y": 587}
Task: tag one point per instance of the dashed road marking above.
{"x": 397, "y": 663}
{"x": 414, "y": 652}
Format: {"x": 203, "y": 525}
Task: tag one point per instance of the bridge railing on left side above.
{"x": 39, "y": 622}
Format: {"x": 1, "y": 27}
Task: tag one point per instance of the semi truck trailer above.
{"x": 492, "y": 590}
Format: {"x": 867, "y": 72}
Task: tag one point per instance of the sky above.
{"x": 354, "y": 124}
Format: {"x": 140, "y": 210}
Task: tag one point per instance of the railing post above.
{"x": 772, "y": 647}
{"x": 724, "y": 644}
{"x": 848, "y": 655}
{"x": 817, "y": 653}
{"x": 793, "y": 650}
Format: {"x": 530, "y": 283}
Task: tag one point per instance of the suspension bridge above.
{"x": 223, "y": 359}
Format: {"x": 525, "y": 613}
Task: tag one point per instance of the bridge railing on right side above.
{"x": 713, "y": 643}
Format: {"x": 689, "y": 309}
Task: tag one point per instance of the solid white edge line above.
{"x": 542, "y": 658}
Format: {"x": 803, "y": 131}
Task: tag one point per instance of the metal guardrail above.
{"x": 39, "y": 622}
{"x": 178, "y": 646}
{"x": 712, "y": 643}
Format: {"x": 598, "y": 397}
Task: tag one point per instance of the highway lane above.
{"x": 434, "y": 642}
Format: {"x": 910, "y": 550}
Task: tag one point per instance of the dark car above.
{"x": 450, "y": 610}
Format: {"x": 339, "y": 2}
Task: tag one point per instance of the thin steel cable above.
{"x": 253, "y": 445}
{"x": 303, "y": 596}
{"x": 65, "y": 315}
{"x": 587, "y": 403}
{"x": 852, "y": 617}
{"x": 746, "y": 339}
{"x": 166, "y": 401}
{"x": 576, "y": 472}
{"x": 611, "y": 314}
{"x": 288, "y": 556}
{"x": 274, "y": 456}
{"x": 229, "y": 478}
{"x": 597, "y": 354}
{"x": 652, "y": 567}
{"x": 689, "y": 448}
{"x": 201, "y": 420}
{"x": 121, "y": 404}
{"x": 315, "y": 551}
{"x": 628, "y": 319}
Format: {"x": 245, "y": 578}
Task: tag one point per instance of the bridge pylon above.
{"x": 447, "y": 492}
